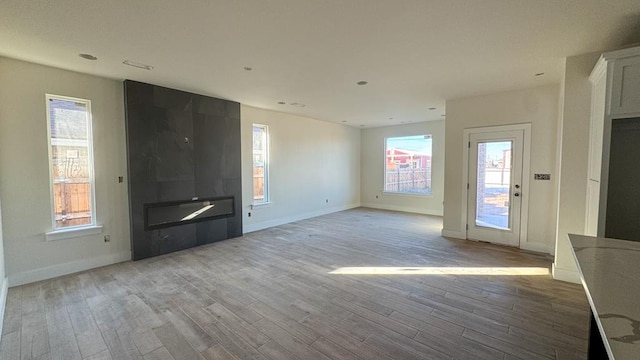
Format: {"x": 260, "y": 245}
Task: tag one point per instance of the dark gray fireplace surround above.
{"x": 184, "y": 175}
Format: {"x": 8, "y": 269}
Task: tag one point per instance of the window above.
{"x": 71, "y": 162}
{"x": 260, "y": 164}
{"x": 408, "y": 165}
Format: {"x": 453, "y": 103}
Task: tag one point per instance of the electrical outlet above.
{"x": 249, "y": 214}
{"x": 120, "y": 179}
{"x": 107, "y": 238}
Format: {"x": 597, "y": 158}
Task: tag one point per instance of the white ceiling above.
{"x": 415, "y": 54}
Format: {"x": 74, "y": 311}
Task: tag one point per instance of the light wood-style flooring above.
{"x": 270, "y": 295}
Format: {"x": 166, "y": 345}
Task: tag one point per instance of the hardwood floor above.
{"x": 271, "y": 295}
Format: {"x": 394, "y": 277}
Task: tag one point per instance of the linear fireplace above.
{"x": 174, "y": 213}
{"x": 184, "y": 169}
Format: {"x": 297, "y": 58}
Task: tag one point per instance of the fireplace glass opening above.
{"x": 161, "y": 215}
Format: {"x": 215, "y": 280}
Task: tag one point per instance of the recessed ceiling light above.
{"x": 432, "y": 108}
{"x": 344, "y": 121}
{"x": 138, "y": 65}
{"x": 281, "y": 102}
{"x": 297, "y": 104}
{"x": 362, "y": 82}
{"x": 539, "y": 74}
{"x": 390, "y": 118}
{"x": 88, "y": 56}
{"x": 248, "y": 68}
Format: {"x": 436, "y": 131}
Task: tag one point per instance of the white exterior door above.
{"x": 495, "y": 190}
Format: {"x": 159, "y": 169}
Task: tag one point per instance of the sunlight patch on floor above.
{"x": 412, "y": 270}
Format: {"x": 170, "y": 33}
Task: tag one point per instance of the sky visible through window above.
{"x": 495, "y": 150}
{"x": 414, "y": 143}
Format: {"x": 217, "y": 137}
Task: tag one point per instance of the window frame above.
{"x": 76, "y": 230}
{"x": 384, "y": 168}
{"x": 266, "y": 183}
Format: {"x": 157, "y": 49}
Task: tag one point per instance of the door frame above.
{"x": 526, "y": 172}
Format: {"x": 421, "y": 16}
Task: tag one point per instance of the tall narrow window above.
{"x": 260, "y": 164}
{"x": 71, "y": 161}
{"x": 408, "y": 165}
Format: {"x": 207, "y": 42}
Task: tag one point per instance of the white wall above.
{"x": 372, "y": 179}
{"x": 311, "y": 161}
{"x": 574, "y": 159}
{"x": 538, "y": 106}
{"x": 24, "y": 172}
{"x": 4, "y": 282}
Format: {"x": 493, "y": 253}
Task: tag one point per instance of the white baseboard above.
{"x": 454, "y": 234}
{"x": 536, "y": 247}
{"x": 248, "y": 228}
{"x": 3, "y": 301}
{"x": 565, "y": 275}
{"x": 49, "y": 272}
{"x": 403, "y": 209}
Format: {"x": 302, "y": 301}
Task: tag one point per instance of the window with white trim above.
{"x": 70, "y": 162}
{"x": 407, "y": 168}
{"x": 260, "y": 164}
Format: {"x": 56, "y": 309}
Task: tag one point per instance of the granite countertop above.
{"x": 610, "y": 273}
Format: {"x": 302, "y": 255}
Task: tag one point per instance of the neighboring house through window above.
{"x": 71, "y": 162}
{"x": 408, "y": 165}
{"x": 260, "y": 164}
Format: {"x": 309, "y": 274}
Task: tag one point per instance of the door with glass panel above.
{"x": 495, "y": 186}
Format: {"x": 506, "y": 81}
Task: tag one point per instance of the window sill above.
{"x": 264, "y": 204}
{"x": 407, "y": 194}
{"x": 62, "y": 234}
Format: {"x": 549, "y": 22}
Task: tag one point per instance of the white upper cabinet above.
{"x": 615, "y": 94}
{"x": 625, "y": 93}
